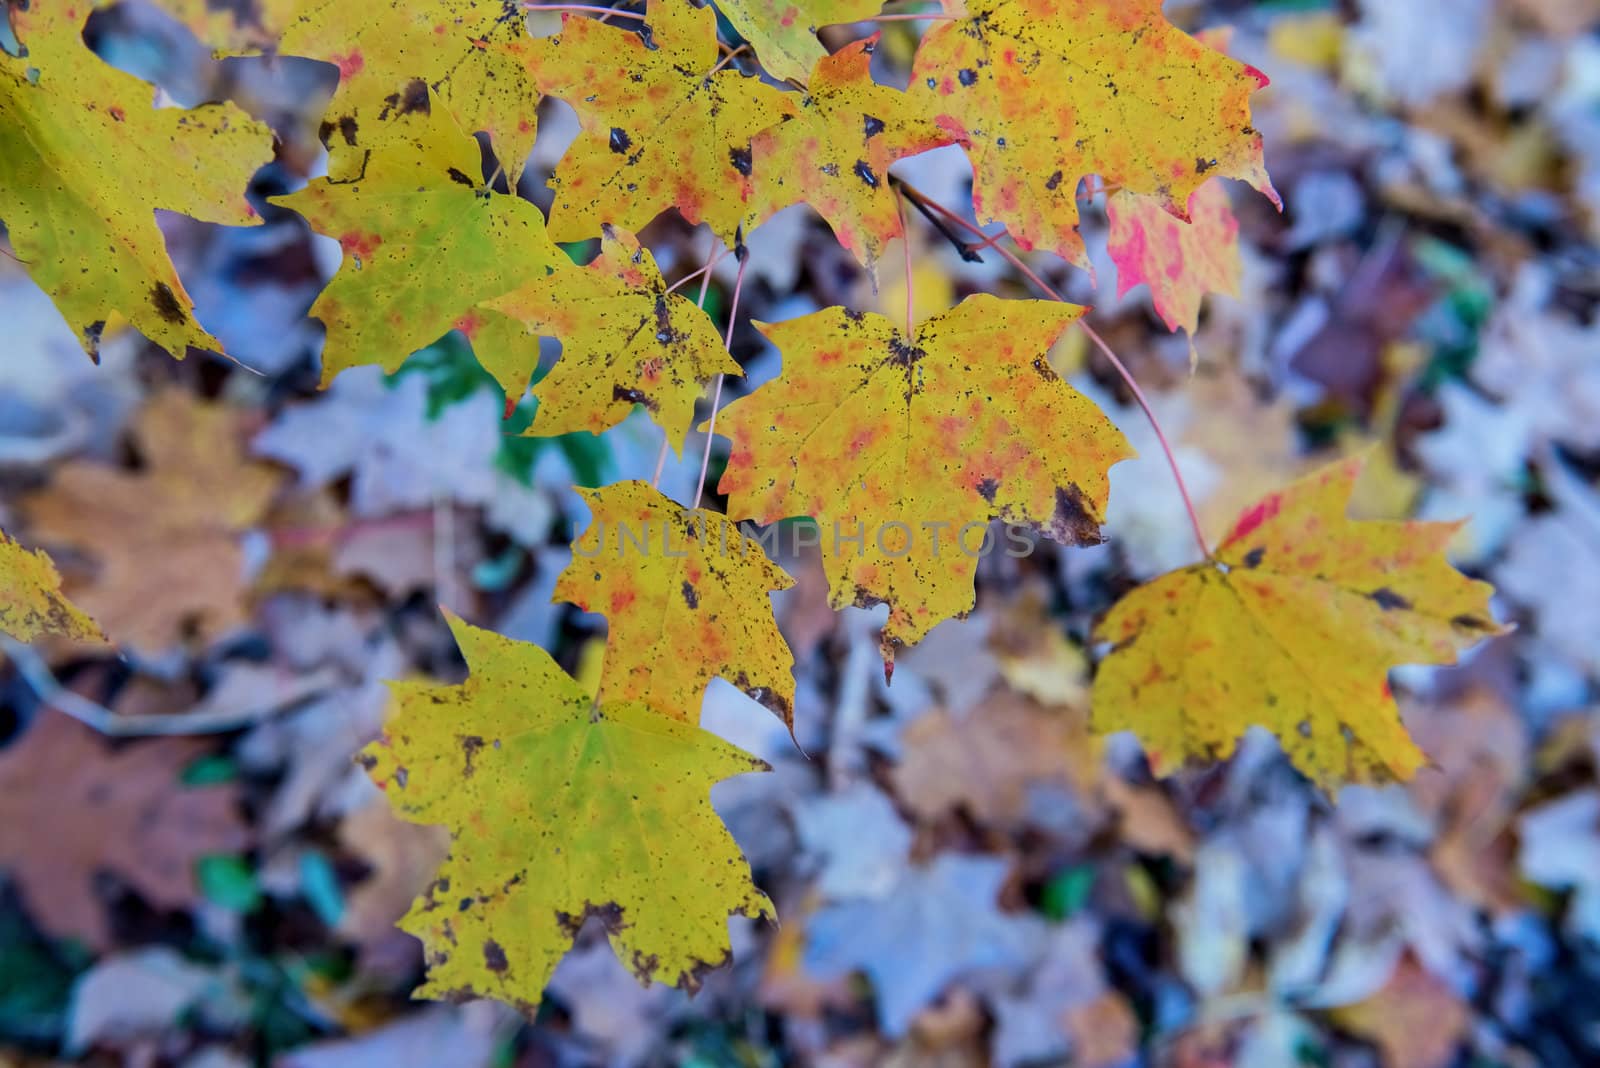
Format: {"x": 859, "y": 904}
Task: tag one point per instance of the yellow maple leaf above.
{"x": 166, "y": 538}
{"x": 425, "y": 242}
{"x": 85, "y": 161}
{"x": 915, "y": 444}
{"x": 559, "y": 809}
{"x": 624, "y": 341}
{"x": 1180, "y": 261}
{"x": 686, "y": 597}
{"x": 784, "y": 32}
{"x": 835, "y": 152}
{"x": 470, "y": 56}
{"x": 1292, "y": 627}
{"x": 31, "y": 601}
{"x": 1045, "y": 92}
{"x": 660, "y": 130}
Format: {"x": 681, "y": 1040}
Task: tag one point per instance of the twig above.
{"x": 590, "y": 9}
{"x": 1100, "y": 343}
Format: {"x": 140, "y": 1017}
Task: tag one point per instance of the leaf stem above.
{"x": 716, "y": 395}
{"x": 700, "y": 302}
{"x": 935, "y": 16}
{"x": 1099, "y": 342}
{"x": 729, "y": 58}
{"x": 590, "y": 9}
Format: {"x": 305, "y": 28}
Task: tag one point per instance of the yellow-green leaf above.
{"x": 659, "y": 129}
{"x": 1045, "y": 92}
{"x": 1293, "y": 627}
{"x": 784, "y": 32}
{"x": 85, "y": 162}
{"x": 425, "y": 240}
{"x": 687, "y": 599}
{"x": 1180, "y": 261}
{"x": 559, "y": 809}
{"x": 470, "y": 56}
{"x": 624, "y": 341}
{"x": 915, "y": 444}
{"x": 835, "y": 153}
{"x": 31, "y": 601}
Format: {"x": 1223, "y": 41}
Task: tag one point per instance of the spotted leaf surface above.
{"x": 31, "y": 601}
{"x": 1045, "y": 92}
{"x": 659, "y": 129}
{"x": 469, "y": 56}
{"x": 1180, "y": 261}
{"x": 624, "y": 341}
{"x": 687, "y": 599}
{"x": 916, "y": 444}
{"x": 85, "y": 162}
{"x": 784, "y": 32}
{"x": 835, "y": 152}
{"x": 1293, "y": 627}
{"x": 425, "y": 242}
{"x": 559, "y": 809}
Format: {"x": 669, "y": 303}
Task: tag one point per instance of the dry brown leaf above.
{"x": 986, "y": 759}
{"x": 1415, "y": 1020}
{"x": 166, "y": 536}
{"x": 1104, "y": 1031}
{"x": 404, "y": 858}
{"x": 72, "y": 807}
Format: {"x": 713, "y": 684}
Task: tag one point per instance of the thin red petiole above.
{"x": 588, "y": 9}
{"x": 1105, "y": 350}
{"x": 716, "y": 395}
{"x": 700, "y": 302}
{"x": 729, "y": 58}
{"x": 692, "y": 275}
{"x": 936, "y": 16}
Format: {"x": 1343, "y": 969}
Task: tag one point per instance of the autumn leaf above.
{"x": 236, "y": 27}
{"x": 165, "y": 538}
{"x": 916, "y": 444}
{"x": 31, "y": 601}
{"x": 85, "y": 162}
{"x": 467, "y": 56}
{"x": 1180, "y": 261}
{"x": 784, "y": 32}
{"x": 1045, "y": 92}
{"x": 689, "y": 605}
{"x": 421, "y": 201}
{"x": 1293, "y": 627}
{"x": 73, "y": 808}
{"x": 659, "y": 129}
{"x": 835, "y": 152}
{"x": 559, "y": 810}
{"x": 624, "y": 341}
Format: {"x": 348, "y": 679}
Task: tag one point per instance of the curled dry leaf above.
{"x": 623, "y": 830}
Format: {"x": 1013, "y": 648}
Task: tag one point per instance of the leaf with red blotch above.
{"x": 1045, "y": 92}
{"x": 896, "y": 439}
{"x": 1180, "y": 261}
{"x": 624, "y": 341}
{"x": 1293, "y": 626}
{"x": 686, "y": 595}
{"x": 660, "y": 130}
{"x": 835, "y": 152}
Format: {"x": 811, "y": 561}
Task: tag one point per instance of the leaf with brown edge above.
{"x": 835, "y": 152}
{"x": 1293, "y": 627}
{"x": 659, "y": 129}
{"x": 1180, "y": 261}
{"x": 31, "y": 601}
{"x": 901, "y": 438}
{"x": 467, "y": 56}
{"x": 624, "y": 341}
{"x": 784, "y": 32}
{"x": 425, "y": 242}
{"x": 85, "y": 162}
{"x": 559, "y": 809}
{"x": 689, "y": 605}
{"x": 165, "y": 539}
{"x": 73, "y": 808}
{"x": 1045, "y": 92}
